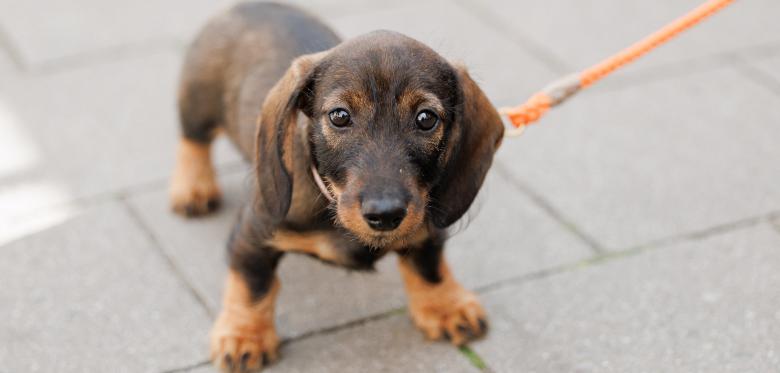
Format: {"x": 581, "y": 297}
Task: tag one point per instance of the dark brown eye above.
{"x": 427, "y": 120}
{"x": 339, "y": 117}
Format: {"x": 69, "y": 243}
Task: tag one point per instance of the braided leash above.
{"x": 561, "y": 89}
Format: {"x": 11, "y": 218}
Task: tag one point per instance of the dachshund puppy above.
{"x": 399, "y": 139}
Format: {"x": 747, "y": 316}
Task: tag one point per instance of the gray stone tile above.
{"x": 503, "y": 70}
{"x": 656, "y": 160}
{"x": 93, "y": 294}
{"x": 89, "y": 131}
{"x": 315, "y": 296}
{"x": 48, "y": 32}
{"x": 704, "y": 306}
{"x": 387, "y": 345}
{"x": 583, "y": 33}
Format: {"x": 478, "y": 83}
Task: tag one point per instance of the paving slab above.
{"x": 49, "y": 33}
{"x": 703, "y": 306}
{"x": 94, "y": 294}
{"x": 584, "y": 32}
{"x": 507, "y": 237}
{"x": 89, "y": 131}
{"x": 505, "y": 71}
{"x": 656, "y": 160}
{"x": 388, "y": 345}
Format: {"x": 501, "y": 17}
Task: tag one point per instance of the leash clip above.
{"x": 511, "y": 129}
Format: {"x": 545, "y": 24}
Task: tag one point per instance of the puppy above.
{"x": 398, "y": 138}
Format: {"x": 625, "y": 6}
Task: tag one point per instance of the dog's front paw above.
{"x": 451, "y": 312}
{"x": 242, "y": 344}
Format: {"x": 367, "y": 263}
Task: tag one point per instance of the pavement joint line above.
{"x": 774, "y": 221}
{"x": 155, "y": 241}
{"x": 344, "y": 326}
{"x": 547, "y": 207}
{"x": 757, "y": 76}
{"x": 704, "y": 233}
{"x": 474, "y": 359}
{"x": 322, "y": 331}
{"x": 626, "y": 253}
{"x": 11, "y": 50}
{"x": 548, "y": 58}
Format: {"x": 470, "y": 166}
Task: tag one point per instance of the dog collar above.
{"x": 321, "y": 184}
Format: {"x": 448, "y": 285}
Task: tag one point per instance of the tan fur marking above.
{"x": 417, "y": 99}
{"x": 193, "y": 188}
{"x": 315, "y": 243}
{"x": 445, "y": 307}
{"x": 411, "y": 240}
{"x": 244, "y": 327}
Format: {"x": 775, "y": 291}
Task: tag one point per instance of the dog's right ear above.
{"x": 275, "y": 132}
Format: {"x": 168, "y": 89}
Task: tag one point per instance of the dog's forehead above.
{"x": 386, "y": 59}
{"x": 387, "y": 44}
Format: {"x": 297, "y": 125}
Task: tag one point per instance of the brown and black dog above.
{"x": 401, "y": 137}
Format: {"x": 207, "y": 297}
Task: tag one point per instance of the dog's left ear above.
{"x": 475, "y": 137}
{"x": 275, "y": 131}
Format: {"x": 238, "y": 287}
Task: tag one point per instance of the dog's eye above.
{"x": 339, "y": 117}
{"x": 427, "y": 120}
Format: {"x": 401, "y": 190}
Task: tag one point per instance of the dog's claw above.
{"x": 228, "y": 361}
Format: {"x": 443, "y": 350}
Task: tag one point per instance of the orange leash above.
{"x": 561, "y": 89}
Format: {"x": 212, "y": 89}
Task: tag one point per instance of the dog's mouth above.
{"x": 351, "y": 215}
{"x": 379, "y": 216}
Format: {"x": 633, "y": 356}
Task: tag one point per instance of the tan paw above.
{"x": 194, "y": 190}
{"x": 455, "y": 315}
{"x": 240, "y": 345}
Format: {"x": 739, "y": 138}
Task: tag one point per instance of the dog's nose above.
{"x": 383, "y": 214}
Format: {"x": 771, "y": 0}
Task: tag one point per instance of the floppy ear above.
{"x": 275, "y": 133}
{"x": 475, "y": 137}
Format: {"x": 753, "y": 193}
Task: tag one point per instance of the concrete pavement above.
{"x": 636, "y": 228}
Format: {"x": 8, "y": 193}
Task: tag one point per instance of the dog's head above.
{"x": 403, "y": 137}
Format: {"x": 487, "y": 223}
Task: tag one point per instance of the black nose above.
{"x": 383, "y": 214}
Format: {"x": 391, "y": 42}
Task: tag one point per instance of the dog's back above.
{"x": 235, "y": 60}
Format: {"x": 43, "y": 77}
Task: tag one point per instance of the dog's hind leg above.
{"x": 193, "y": 189}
